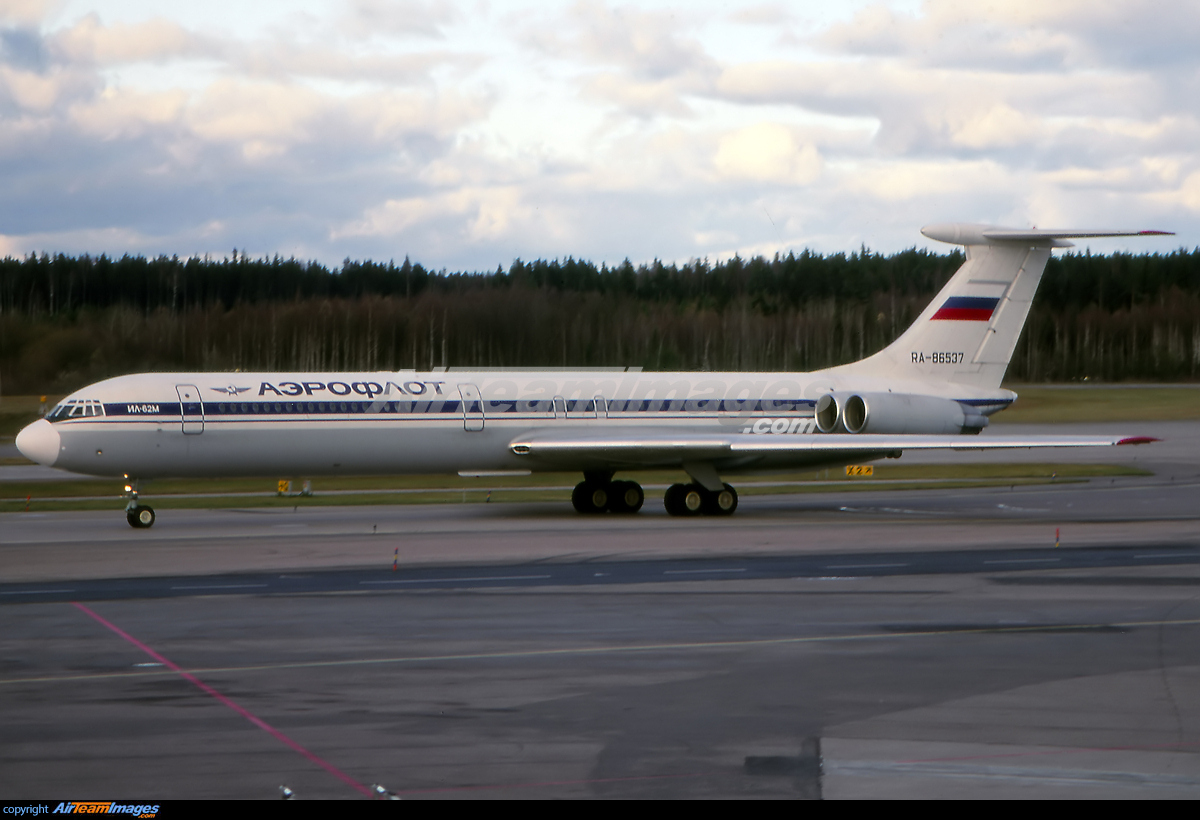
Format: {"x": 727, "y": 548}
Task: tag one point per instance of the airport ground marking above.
{"x": 1152, "y": 747}
{"x": 1074, "y": 776}
{"x": 190, "y": 677}
{"x": 222, "y": 586}
{"x": 602, "y": 650}
{"x": 1024, "y": 561}
{"x": 450, "y": 580}
{"x": 699, "y": 571}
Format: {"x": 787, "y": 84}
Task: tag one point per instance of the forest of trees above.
{"x": 68, "y": 321}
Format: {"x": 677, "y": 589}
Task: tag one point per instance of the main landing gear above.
{"x": 693, "y": 499}
{"x": 596, "y": 494}
{"x": 139, "y": 516}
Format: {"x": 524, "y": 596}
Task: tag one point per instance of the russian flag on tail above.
{"x": 967, "y": 309}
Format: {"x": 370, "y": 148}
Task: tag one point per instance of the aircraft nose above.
{"x": 39, "y": 442}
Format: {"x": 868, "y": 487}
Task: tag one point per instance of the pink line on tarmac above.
{"x": 250, "y": 716}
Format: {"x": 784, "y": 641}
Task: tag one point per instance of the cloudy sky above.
{"x": 466, "y": 134}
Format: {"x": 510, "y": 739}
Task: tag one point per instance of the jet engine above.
{"x": 895, "y": 413}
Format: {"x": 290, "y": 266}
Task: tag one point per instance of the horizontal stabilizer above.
{"x": 961, "y": 233}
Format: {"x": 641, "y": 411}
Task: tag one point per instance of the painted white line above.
{"x": 222, "y": 586}
{"x": 1025, "y": 561}
{"x": 36, "y": 591}
{"x": 698, "y": 571}
{"x": 1001, "y": 773}
{"x": 862, "y": 566}
{"x": 1168, "y": 555}
{"x": 451, "y": 580}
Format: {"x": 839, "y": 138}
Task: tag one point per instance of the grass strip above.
{"x": 474, "y": 496}
{"x": 75, "y": 488}
{"x": 1079, "y": 404}
{"x": 374, "y": 490}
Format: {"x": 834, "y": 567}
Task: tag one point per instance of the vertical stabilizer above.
{"x": 968, "y": 333}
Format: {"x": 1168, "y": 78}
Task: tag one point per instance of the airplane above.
{"x": 931, "y": 389}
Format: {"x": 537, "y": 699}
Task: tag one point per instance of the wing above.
{"x": 656, "y": 448}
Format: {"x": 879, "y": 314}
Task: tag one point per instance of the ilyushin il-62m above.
{"x": 931, "y": 389}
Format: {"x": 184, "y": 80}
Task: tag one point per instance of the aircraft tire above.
{"x": 724, "y": 502}
{"x": 625, "y": 497}
{"x": 673, "y": 499}
{"x": 140, "y": 517}
{"x": 590, "y": 497}
{"x": 693, "y": 499}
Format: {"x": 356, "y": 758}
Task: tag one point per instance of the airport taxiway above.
{"x": 875, "y": 644}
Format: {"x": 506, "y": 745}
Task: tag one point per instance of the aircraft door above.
{"x": 191, "y": 408}
{"x": 472, "y": 408}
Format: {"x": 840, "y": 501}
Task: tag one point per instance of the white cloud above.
{"x": 465, "y": 134}
{"x": 27, "y": 12}
{"x": 767, "y": 152}
{"x": 644, "y": 62}
{"x": 763, "y": 14}
{"x": 157, "y": 40}
{"x": 484, "y": 214}
{"x": 117, "y": 114}
{"x": 366, "y": 18}
{"x": 999, "y": 126}
{"x": 898, "y": 182}
{"x": 1187, "y": 195}
{"x": 1021, "y": 34}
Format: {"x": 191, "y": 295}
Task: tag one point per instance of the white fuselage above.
{"x": 300, "y": 424}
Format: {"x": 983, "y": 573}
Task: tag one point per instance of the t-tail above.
{"x": 968, "y": 333}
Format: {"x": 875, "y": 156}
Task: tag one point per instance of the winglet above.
{"x": 1137, "y": 440}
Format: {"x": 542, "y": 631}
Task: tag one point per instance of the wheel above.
{"x": 579, "y": 498}
{"x": 590, "y": 497}
{"x": 693, "y": 499}
{"x": 721, "y": 503}
{"x": 140, "y": 517}
{"x": 625, "y": 497}
{"x": 673, "y": 499}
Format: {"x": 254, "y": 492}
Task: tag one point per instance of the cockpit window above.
{"x": 75, "y": 409}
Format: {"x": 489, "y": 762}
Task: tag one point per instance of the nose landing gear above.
{"x": 139, "y": 516}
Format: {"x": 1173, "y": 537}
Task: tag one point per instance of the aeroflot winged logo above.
{"x": 230, "y": 390}
{"x": 967, "y": 309}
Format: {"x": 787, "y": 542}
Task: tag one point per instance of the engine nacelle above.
{"x": 895, "y": 413}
